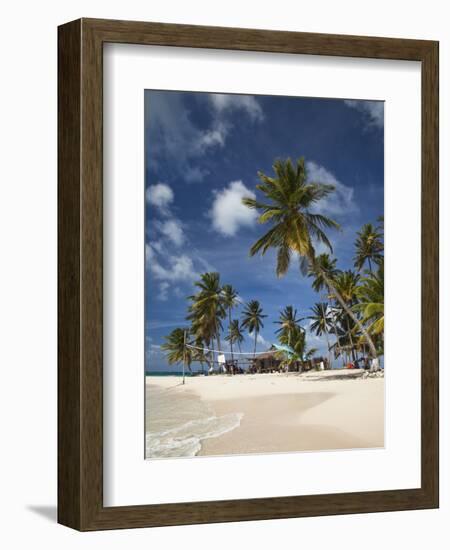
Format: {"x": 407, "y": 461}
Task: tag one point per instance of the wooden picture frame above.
{"x": 80, "y": 271}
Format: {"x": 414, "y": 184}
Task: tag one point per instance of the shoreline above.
{"x": 288, "y": 412}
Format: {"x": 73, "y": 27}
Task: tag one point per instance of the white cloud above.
{"x": 157, "y": 246}
{"x": 177, "y": 268}
{"x": 340, "y": 201}
{"x": 172, "y": 230}
{"x": 153, "y": 351}
{"x": 194, "y": 174}
{"x": 176, "y": 139}
{"x": 149, "y": 254}
{"x": 223, "y": 103}
{"x": 210, "y": 138}
{"x": 261, "y": 340}
{"x": 228, "y": 213}
{"x": 160, "y": 195}
{"x": 173, "y": 136}
{"x": 373, "y": 111}
{"x": 163, "y": 291}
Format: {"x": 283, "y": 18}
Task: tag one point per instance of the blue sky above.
{"x": 202, "y": 155}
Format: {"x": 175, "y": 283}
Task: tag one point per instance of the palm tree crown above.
{"x": 207, "y": 308}
{"x": 369, "y": 246}
{"x": 288, "y": 321}
{"x": 321, "y": 318}
{"x": 288, "y": 210}
{"x": 324, "y": 265}
{"x": 229, "y": 296}
{"x": 177, "y": 352}
{"x": 253, "y": 319}
{"x": 298, "y": 345}
{"x": 235, "y": 335}
{"x": 346, "y": 283}
{"x": 371, "y": 301}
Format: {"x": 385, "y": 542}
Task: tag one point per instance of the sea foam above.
{"x": 176, "y": 424}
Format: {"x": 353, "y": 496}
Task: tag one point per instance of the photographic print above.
{"x": 264, "y": 274}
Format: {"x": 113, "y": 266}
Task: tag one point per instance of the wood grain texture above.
{"x": 80, "y": 242}
{"x": 69, "y": 245}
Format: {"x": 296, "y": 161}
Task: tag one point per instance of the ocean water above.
{"x": 167, "y": 373}
{"x": 177, "y": 424}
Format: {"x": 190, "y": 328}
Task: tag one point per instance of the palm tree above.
{"x": 339, "y": 347}
{"x": 288, "y": 321}
{"x": 295, "y": 226}
{"x": 229, "y": 300}
{"x": 371, "y": 302}
{"x": 198, "y": 352}
{"x": 369, "y": 246}
{"x": 252, "y": 319}
{"x": 327, "y": 265}
{"x": 177, "y": 351}
{"x": 300, "y": 352}
{"x": 201, "y": 329}
{"x": 346, "y": 283}
{"x": 321, "y": 322}
{"x": 324, "y": 265}
{"x": 235, "y": 336}
{"x": 207, "y": 310}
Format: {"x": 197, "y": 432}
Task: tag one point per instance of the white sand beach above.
{"x": 283, "y": 412}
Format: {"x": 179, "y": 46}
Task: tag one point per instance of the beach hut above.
{"x": 270, "y": 361}
{"x": 265, "y": 362}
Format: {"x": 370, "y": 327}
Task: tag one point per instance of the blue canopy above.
{"x": 285, "y": 348}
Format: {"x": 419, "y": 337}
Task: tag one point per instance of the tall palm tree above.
{"x": 229, "y": 300}
{"x": 288, "y": 321}
{"x": 341, "y": 343}
{"x": 201, "y": 328}
{"x": 327, "y": 265}
{"x": 321, "y": 322}
{"x": 346, "y": 283}
{"x": 175, "y": 346}
{"x": 253, "y": 319}
{"x": 235, "y": 336}
{"x": 369, "y": 246}
{"x": 324, "y": 265}
{"x": 198, "y": 352}
{"x": 371, "y": 302}
{"x": 294, "y": 226}
{"x": 207, "y": 310}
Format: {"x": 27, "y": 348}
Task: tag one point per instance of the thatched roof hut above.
{"x": 269, "y": 361}
{"x": 264, "y": 362}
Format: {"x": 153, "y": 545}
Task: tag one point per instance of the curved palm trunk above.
{"x": 328, "y": 346}
{"x": 350, "y": 338}
{"x": 326, "y": 335}
{"x": 337, "y": 340}
{"x": 254, "y": 348}
{"x": 350, "y": 313}
{"x": 212, "y": 353}
{"x": 218, "y": 348}
{"x": 240, "y": 354}
{"x": 231, "y": 341}
{"x": 218, "y": 342}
